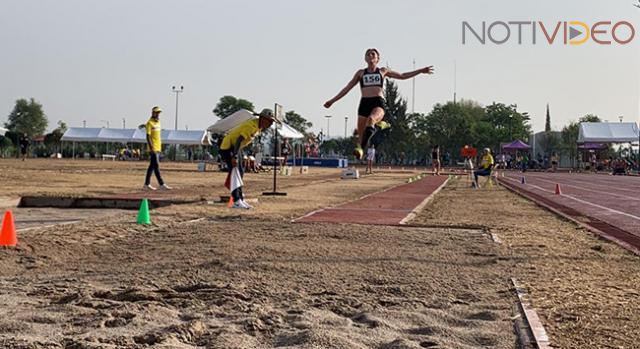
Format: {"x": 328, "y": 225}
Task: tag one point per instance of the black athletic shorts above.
{"x": 367, "y": 104}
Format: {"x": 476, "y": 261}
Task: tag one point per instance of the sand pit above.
{"x": 206, "y": 276}
{"x": 203, "y": 275}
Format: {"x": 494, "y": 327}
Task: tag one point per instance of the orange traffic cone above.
{"x": 8, "y": 233}
{"x": 558, "y": 191}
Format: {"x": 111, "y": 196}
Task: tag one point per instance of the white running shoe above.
{"x": 148, "y": 187}
{"x": 240, "y": 204}
{"x": 165, "y": 187}
{"x": 246, "y": 204}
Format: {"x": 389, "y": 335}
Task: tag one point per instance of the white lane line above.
{"x": 596, "y": 181}
{"x": 591, "y": 190}
{"x": 584, "y": 202}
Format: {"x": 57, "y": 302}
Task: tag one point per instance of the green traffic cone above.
{"x": 143, "y": 213}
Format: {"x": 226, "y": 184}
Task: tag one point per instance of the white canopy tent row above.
{"x": 225, "y": 125}
{"x": 133, "y": 135}
{"x": 608, "y": 132}
{"x": 77, "y": 134}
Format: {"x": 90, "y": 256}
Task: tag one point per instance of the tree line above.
{"x": 451, "y": 125}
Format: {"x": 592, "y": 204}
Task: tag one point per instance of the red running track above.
{"x": 610, "y": 204}
{"x": 391, "y": 206}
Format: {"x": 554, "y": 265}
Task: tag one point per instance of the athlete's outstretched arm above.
{"x": 344, "y": 91}
{"x": 408, "y": 75}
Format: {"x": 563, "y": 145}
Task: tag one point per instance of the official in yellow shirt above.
{"x": 154, "y": 146}
{"x": 236, "y": 140}
{"x": 486, "y": 164}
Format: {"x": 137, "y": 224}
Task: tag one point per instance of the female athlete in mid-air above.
{"x": 371, "y": 108}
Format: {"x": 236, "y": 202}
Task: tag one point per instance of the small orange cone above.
{"x": 558, "y": 191}
{"x": 8, "y": 233}
{"x": 230, "y": 203}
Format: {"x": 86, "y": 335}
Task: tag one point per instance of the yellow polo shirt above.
{"x": 154, "y": 131}
{"x": 247, "y": 130}
{"x": 487, "y": 160}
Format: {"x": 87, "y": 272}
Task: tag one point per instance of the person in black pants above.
{"x": 154, "y": 142}
{"x": 24, "y": 143}
{"x": 237, "y": 139}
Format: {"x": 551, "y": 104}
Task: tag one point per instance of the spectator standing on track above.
{"x": 154, "y": 144}
{"x": 371, "y": 157}
{"x": 24, "y": 143}
{"x": 435, "y": 159}
{"x": 554, "y": 161}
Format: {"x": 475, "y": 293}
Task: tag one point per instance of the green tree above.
{"x": 296, "y": 121}
{"x": 230, "y": 104}
{"x": 590, "y": 118}
{"x": 569, "y": 139}
{"x": 570, "y": 133}
{"x": 448, "y": 125}
{"x": 52, "y": 140}
{"x": 27, "y": 117}
{"x": 547, "y": 122}
{"x": 401, "y": 138}
{"x": 508, "y": 123}
{"x": 454, "y": 125}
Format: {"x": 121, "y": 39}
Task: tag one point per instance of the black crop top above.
{"x": 371, "y": 79}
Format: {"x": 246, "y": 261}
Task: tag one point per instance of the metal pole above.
{"x": 455, "y": 80}
{"x": 346, "y": 118}
{"x": 328, "y": 117}
{"x": 177, "y": 91}
{"x": 413, "y": 91}
{"x": 124, "y": 123}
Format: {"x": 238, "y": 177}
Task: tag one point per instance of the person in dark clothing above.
{"x": 24, "y": 143}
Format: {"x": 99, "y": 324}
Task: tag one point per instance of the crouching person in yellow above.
{"x": 231, "y": 150}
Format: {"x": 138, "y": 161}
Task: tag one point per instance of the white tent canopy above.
{"x": 287, "y": 131}
{"x": 608, "y": 132}
{"x": 3, "y": 131}
{"x": 225, "y": 125}
{"x": 131, "y": 135}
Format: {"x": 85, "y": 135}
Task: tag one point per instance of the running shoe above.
{"x": 240, "y": 204}
{"x": 245, "y": 203}
{"x": 382, "y": 125}
{"x": 148, "y": 187}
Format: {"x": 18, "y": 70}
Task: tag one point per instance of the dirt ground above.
{"x": 205, "y": 276}
{"x": 586, "y": 290}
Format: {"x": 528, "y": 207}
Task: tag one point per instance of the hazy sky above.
{"x": 114, "y": 59}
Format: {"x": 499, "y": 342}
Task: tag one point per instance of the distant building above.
{"x": 540, "y": 145}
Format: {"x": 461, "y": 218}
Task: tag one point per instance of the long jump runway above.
{"x": 610, "y": 204}
{"x": 392, "y": 206}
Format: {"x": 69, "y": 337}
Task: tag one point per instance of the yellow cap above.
{"x": 156, "y": 110}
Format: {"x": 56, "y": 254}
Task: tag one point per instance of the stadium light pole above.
{"x": 177, "y": 92}
{"x": 346, "y": 118}
{"x": 328, "y": 118}
{"x": 124, "y": 123}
